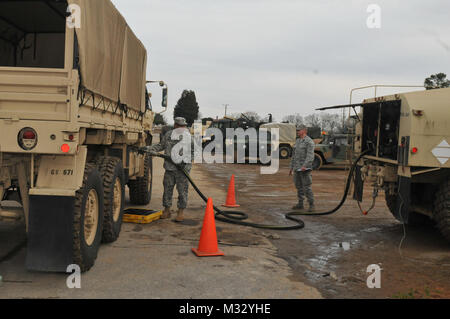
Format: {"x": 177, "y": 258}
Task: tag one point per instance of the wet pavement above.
{"x": 155, "y": 261}
{"x": 332, "y": 253}
{"x": 328, "y": 258}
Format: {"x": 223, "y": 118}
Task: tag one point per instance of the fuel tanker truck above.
{"x": 74, "y": 110}
{"x": 405, "y": 143}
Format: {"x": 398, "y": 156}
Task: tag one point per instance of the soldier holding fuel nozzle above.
{"x": 173, "y": 176}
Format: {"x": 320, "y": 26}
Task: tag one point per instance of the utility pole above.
{"x": 226, "y": 108}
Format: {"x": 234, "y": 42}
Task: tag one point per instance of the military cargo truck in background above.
{"x": 405, "y": 139}
{"x": 73, "y": 113}
{"x": 287, "y": 137}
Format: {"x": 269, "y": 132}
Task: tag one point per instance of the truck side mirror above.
{"x": 165, "y": 94}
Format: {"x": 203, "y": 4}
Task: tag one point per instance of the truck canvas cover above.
{"x": 288, "y": 132}
{"x": 112, "y": 59}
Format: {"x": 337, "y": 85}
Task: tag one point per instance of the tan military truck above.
{"x": 406, "y": 140}
{"x": 287, "y": 137}
{"x": 73, "y": 112}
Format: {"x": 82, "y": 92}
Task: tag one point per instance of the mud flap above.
{"x": 50, "y": 235}
{"x": 403, "y": 199}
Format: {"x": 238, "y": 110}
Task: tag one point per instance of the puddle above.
{"x": 322, "y": 263}
{"x": 372, "y": 229}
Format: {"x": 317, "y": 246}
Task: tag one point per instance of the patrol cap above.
{"x": 181, "y": 121}
{"x": 301, "y": 127}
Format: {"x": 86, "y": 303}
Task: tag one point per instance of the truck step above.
{"x": 11, "y": 210}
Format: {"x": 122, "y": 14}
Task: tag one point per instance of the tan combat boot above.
{"x": 166, "y": 213}
{"x": 180, "y": 216}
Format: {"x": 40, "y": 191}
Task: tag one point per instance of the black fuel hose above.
{"x": 238, "y": 217}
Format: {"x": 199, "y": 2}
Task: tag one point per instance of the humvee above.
{"x": 332, "y": 149}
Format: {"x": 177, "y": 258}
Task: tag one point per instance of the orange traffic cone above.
{"x": 231, "y": 197}
{"x": 208, "y": 245}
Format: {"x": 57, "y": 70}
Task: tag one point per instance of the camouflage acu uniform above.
{"x": 303, "y": 156}
{"x": 173, "y": 177}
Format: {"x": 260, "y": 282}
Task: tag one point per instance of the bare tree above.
{"x": 313, "y": 120}
{"x": 296, "y": 119}
{"x": 330, "y": 122}
{"x": 253, "y": 116}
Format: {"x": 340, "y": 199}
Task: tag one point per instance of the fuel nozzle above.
{"x": 145, "y": 150}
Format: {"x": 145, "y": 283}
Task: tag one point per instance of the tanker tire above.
{"x": 442, "y": 209}
{"x": 414, "y": 219}
{"x": 141, "y": 188}
{"x": 112, "y": 172}
{"x": 84, "y": 255}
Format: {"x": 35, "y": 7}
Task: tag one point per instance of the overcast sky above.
{"x": 286, "y": 56}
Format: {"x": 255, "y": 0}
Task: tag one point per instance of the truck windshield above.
{"x": 32, "y": 33}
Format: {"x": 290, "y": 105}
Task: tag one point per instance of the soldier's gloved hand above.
{"x": 146, "y": 150}
{"x": 182, "y": 165}
{"x": 151, "y": 153}
{"x": 143, "y": 150}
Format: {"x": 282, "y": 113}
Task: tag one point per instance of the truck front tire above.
{"x": 442, "y": 209}
{"x": 285, "y": 152}
{"x": 141, "y": 188}
{"x": 318, "y": 162}
{"x": 88, "y": 219}
{"x": 112, "y": 172}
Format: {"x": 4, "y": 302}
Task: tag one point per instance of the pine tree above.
{"x": 437, "y": 81}
{"x": 187, "y": 107}
{"x": 159, "y": 119}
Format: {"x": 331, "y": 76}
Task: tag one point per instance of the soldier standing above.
{"x": 301, "y": 168}
{"x": 173, "y": 176}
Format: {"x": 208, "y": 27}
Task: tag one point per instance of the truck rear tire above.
{"x": 112, "y": 172}
{"x": 141, "y": 188}
{"x": 442, "y": 209}
{"x": 88, "y": 219}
